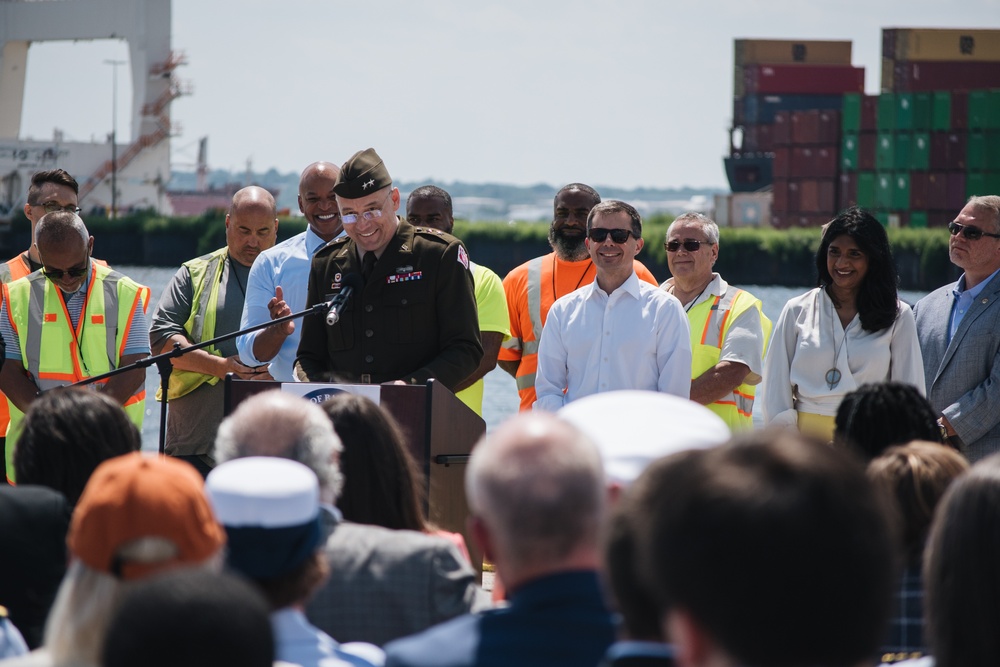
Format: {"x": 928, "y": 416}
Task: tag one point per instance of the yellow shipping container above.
{"x": 941, "y": 44}
{"x": 790, "y": 52}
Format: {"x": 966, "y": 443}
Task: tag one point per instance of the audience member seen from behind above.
{"x": 767, "y": 551}
{"x": 536, "y": 498}
{"x": 191, "y": 618}
{"x": 271, "y": 513}
{"x": 850, "y": 330}
{"x": 137, "y": 517}
{"x": 876, "y": 416}
{"x": 66, "y": 434}
{"x": 962, "y": 572}
{"x": 915, "y": 476}
{"x": 382, "y": 485}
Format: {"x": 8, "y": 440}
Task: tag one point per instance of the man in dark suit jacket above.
{"x": 958, "y": 327}
{"x": 536, "y": 496}
{"x": 383, "y": 583}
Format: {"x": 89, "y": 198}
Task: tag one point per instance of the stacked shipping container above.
{"x": 914, "y": 153}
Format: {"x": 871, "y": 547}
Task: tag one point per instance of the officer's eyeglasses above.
{"x": 969, "y": 232}
{"x": 688, "y": 244}
{"x": 599, "y": 234}
{"x": 52, "y": 207}
{"x": 57, "y": 274}
{"x": 351, "y": 218}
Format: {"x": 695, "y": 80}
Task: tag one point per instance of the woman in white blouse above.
{"x": 849, "y": 331}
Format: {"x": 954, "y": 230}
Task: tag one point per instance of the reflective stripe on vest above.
{"x": 39, "y": 315}
{"x": 525, "y": 379}
{"x": 206, "y": 272}
{"x": 710, "y": 321}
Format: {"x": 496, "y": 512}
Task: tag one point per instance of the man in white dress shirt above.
{"x": 279, "y": 279}
{"x": 617, "y": 332}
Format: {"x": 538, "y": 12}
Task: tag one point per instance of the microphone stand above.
{"x": 164, "y": 367}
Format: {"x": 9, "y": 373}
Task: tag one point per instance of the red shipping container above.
{"x": 801, "y": 163}
{"x": 758, "y": 138}
{"x": 803, "y": 79}
{"x": 917, "y": 77}
{"x": 779, "y": 220}
{"x": 947, "y": 151}
{"x": 825, "y": 164}
{"x": 937, "y": 190}
{"x": 809, "y": 196}
{"x": 848, "y": 191}
{"x": 794, "y": 196}
{"x": 737, "y": 111}
{"x": 829, "y": 127}
{"x": 781, "y": 164}
{"x": 781, "y": 130}
{"x": 918, "y": 190}
{"x": 869, "y": 113}
{"x": 940, "y": 218}
{"x": 959, "y": 110}
{"x": 866, "y": 151}
{"x": 779, "y": 200}
{"x": 956, "y": 191}
{"x": 805, "y": 127}
{"x": 827, "y": 196}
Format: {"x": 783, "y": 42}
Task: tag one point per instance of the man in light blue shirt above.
{"x": 279, "y": 279}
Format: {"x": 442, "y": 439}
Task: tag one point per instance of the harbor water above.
{"x": 500, "y": 399}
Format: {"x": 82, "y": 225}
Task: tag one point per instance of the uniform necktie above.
{"x": 368, "y": 265}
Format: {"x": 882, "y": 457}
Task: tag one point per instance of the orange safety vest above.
{"x": 531, "y": 290}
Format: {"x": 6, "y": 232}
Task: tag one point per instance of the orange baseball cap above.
{"x": 135, "y": 496}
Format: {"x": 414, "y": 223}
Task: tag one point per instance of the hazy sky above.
{"x": 631, "y": 93}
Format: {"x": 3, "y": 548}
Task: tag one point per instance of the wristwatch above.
{"x": 944, "y": 431}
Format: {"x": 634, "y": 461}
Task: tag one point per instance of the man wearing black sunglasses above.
{"x": 729, "y": 331}
{"x": 958, "y": 326}
{"x": 617, "y": 332}
{"x": 72, "y": 320}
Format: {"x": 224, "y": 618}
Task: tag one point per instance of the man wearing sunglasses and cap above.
{"x": 71, "y": 320}
{"x": 729, "y": 331}
{"x": 412, "y": 314}
{"x": 617, "y": 332}
{"x": 958, "y": 326}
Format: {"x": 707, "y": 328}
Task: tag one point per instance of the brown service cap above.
{"x": 362, "y": 175}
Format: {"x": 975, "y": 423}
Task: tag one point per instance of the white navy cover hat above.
{"x": 634, "y": 428}
{"x": 270, "y": 509}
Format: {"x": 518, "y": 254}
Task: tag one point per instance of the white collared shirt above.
{"x": 635, "y": 338}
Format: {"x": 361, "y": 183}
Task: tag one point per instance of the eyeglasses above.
{"x": 599, "y": 234}
{"x": 52, "y": 207}
{"x": 57, "y": 274}
{"x": 688, "y": 244}
{"x": 351, "y": 218}
{"x": 969, "y": 232}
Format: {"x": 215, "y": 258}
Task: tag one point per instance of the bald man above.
{"x": 72, "y": 320}
{"x": 203, "y": 301}
{"x": 279, "y": 280}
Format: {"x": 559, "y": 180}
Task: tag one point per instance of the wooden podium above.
{"x": 440, "y": 432}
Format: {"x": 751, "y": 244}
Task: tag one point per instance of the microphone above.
{"x": 351, "y": 282}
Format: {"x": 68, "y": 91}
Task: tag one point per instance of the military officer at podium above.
{"x": 412, "y": 315}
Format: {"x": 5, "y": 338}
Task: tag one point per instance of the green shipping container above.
{"x": 902, "y": 150}
{"x": 886, "y": 119}
{"x": 918, "y": 219}
{"x": 866, "y": 189}
{"x": 921, "y": 111}
{"x": 904, "y": 112}
{"x": 884, "y": 185}
{"x": 984, "y": 110}
{"x": 900, "y": 198}
{"x": 920, "y": 152}
{"x": 850, "y": 113}
{"x": 849, "y": 152}
{"x": 882, "y": 217}
{"x": 975, "y": 184}
{"x": 993, "y": 152}
{"x": 941, "y": 111}
{"x": 885, "y": 151}
{"x": 975, "y": 151}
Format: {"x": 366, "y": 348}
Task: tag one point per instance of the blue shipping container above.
{"x": 760, "y": 109}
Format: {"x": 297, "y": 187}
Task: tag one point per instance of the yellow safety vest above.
{"x": 39, "y": 316}
{"x": 710, "y": 321}
{"x": 206, "y": 272}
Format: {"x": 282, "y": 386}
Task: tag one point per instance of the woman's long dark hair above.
{"x": 877, "y": 300}
{"x": 382, "y": 486}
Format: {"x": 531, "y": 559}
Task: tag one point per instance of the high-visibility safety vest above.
{"x": 12, "y": 270}
{"x": 543, "y": 280}
{"x": 53, "y": 353}
{"x": 710, "y": 321}
{"x": 206, "y": 272}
